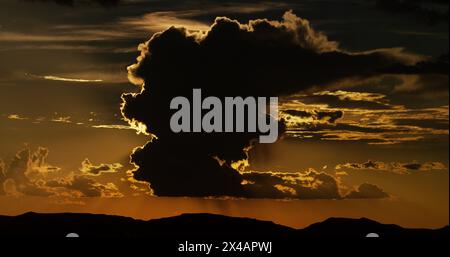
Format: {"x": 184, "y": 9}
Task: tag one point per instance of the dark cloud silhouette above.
{"x": 174, "y": 170}
{"x": 424, "y": 166}
{"x": 412, "y": 166}
{"x": 212, "y": 179}
{"x": 261, "y": 58}
{"x": 439, "y": 65}
{"x": 367, "y": 191}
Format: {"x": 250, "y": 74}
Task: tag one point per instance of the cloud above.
{"x": 306, "y": 185}
{"x": 292, "y": 44}
{"x": 86, "y": 187}
{"x": 174, "y": 171}
{"x": 95, "y": 170}
{"x": 62, "y": 119}
{"x": 8, "y": 187}
{"x": 367, "y": 191}
{"x": 369, "y": 117}
{"x": 114, "y": 126}
{"x": 261, "y": 58}
{"x": 48, "y": 77}
{"x": 2, "y": 176}
{"x": 428, "y": 166}
{"x": 29, "y": 174}
{"x": 396, "y": 167}
{"x": 439, "y": 65}
{"x": 437, "y": 123}
{"x": 157, "y": 21}
{"x": 353, "y": 96}
{"x": 322, "y": 116}
{"x": 422, "y": 84}
{"x": 16, "y": 117}
{"x": 23, "y": 166}
{"x": 366, "y": 165}
{"x": 27, "y": 164}
{"x": 333, "y": 100}
{"x": 303, "y": 34}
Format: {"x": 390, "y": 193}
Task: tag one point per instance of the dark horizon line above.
{"x": 205, "y": 214}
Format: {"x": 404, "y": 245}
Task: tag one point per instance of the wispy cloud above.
{"x": 158, "y": 21}
{"x": 48, "y": 77}
{"x": 396, "y": 167}
{"x": 114, "y": 126}
{"x": 16, "y": 117}
{"x": 65, "y": 79}
{"x": 355, "y": 118}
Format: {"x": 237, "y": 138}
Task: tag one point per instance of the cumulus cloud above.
{"x": 302, "y": 33}
{"x": 292, "y": 45}
{"x": 260, "y": 58}
{"x": 367, "y": 191}
{"x": 28, "y": 173}
{"x": 397, "y": 167}
{"x": 24, "y": 165}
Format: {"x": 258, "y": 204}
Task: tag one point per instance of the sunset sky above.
{"x": 362, "y": 85}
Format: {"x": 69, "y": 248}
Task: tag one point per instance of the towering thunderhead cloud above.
{"x": 261, "y": 58}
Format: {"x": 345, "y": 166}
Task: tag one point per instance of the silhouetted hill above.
{"x": 207, "y": 226}
{"x": 356, "y": 228}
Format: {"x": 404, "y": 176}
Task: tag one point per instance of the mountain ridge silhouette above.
{"x": 200, "y": 225}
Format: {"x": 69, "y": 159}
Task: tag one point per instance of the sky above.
{"x": 85, "y": 87}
